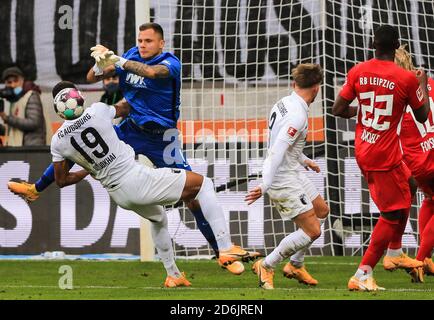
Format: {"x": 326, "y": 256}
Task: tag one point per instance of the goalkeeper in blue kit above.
{"x": 150, "y": 82}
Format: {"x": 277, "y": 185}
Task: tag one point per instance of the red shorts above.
{"x": 390, "y": 190}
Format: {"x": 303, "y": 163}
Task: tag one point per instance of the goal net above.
{"x": 237, "y": 57}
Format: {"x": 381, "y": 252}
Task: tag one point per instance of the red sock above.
{"x": 425, "y": 213}
{"x": 396, "y": 242}
{"x": 426, "y": 229}
{"x": 381, "y": 236}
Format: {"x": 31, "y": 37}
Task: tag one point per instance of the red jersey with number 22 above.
{"x": 383, "y": 90}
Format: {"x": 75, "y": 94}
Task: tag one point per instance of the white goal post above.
{"x": 147, "y": 248}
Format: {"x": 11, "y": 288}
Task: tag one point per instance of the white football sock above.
{"x": 363, "y": 273}
{"x": 287, "y": 247}
{"x": 297, "y": 259}
{"x": 213, "y": 213}
{"x": 394, "y": 252}
{"x": 163, "y": 243}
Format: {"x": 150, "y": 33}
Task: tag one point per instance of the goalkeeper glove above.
{"x": 98, "y": 71}
{"x": 105, "y": 57}
{"x": 98, "y": 50}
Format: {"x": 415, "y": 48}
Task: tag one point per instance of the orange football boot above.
{"x": 401, "y": 262}
{"x": 265, "y": 275}
{"x": 172, "y": 282}
{"x": 300, "y": 274}
{"x": 355, "y": 284}
{"x": 24, "y": 189}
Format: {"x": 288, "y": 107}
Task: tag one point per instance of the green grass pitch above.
{"x": 138, "y": 280}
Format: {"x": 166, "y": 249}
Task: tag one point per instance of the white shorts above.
{"x": 143, "y": 186}
{"x": 295, "y": 198}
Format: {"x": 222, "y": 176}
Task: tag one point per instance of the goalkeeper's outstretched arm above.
{"x": 108, "y": 72}
{"x": 141, "y": 69}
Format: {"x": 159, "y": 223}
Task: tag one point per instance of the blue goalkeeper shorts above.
{"x": 163, "y": 150}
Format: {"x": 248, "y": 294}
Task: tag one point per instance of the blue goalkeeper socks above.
{"x": 205, "y": 228}
{"x": 47, "y": 177}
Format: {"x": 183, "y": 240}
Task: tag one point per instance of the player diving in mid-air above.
{"x": 91, "y": 141}
{"x": 150, "y": 81}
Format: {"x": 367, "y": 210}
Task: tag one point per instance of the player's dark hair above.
{"x": 62, "y": 85}
{"x": 307, "y": 75}
{"x": 386, "y": 38}
{"x": 154, "y": 26}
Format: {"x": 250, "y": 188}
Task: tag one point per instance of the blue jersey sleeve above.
{"x": 174, "y": 66}
{"x": 119, "y": 70}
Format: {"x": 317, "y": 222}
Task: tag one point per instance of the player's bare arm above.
{"x": 253, "y": 195}
{"x": 122, "y": 108}
{"x": 312, "y": 165}
{"x": 105, "y": 57}
{"x": 66, "y": 178}
{"x": 108, "y": 72}
{"x": 141, "y": 69}
{"x": 308, "y": 163}
{"x": 342, "y": 108}
{"x": 421, "y": 114}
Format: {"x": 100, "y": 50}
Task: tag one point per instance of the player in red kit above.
{"x": 417, "y": 142}
{"x": 383, "y": 90}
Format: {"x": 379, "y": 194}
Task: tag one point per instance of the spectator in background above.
{"x": 2, "y": 127}
{"x": 112, "y": 92}
{"x": 25, "y": 118}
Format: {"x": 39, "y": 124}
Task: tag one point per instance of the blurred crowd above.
{"x": 23, "y": 117}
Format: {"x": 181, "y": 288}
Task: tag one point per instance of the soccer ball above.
{"x": 69, "y": 103}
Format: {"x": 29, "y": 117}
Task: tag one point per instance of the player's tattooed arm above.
{"x": 66, "y": 178}
{"x": 122, "y": 108}
{"x": 342, "y": 108}
{"x": 141, "y": 69}
{"x": 108, "y": 72}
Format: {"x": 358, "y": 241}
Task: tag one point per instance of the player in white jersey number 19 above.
{"x": 89, "y": 139}
{"x": 291, "y": 192}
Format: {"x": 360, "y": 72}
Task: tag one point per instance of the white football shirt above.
{"x": 91, "y": 142}
{"x": 288, "y": 122}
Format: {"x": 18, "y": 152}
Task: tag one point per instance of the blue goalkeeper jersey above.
{"x": 154, "y": 100}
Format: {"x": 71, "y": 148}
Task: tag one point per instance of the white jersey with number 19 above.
{"x": 91, "y": 142}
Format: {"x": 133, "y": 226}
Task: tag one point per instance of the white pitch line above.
{"x": 184, "y": 261}
{"x": 332, "y": 263}
{"x": 290, "y": 289}
{"x": 57, "y": 287}
{"x": 211, "y": 288}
